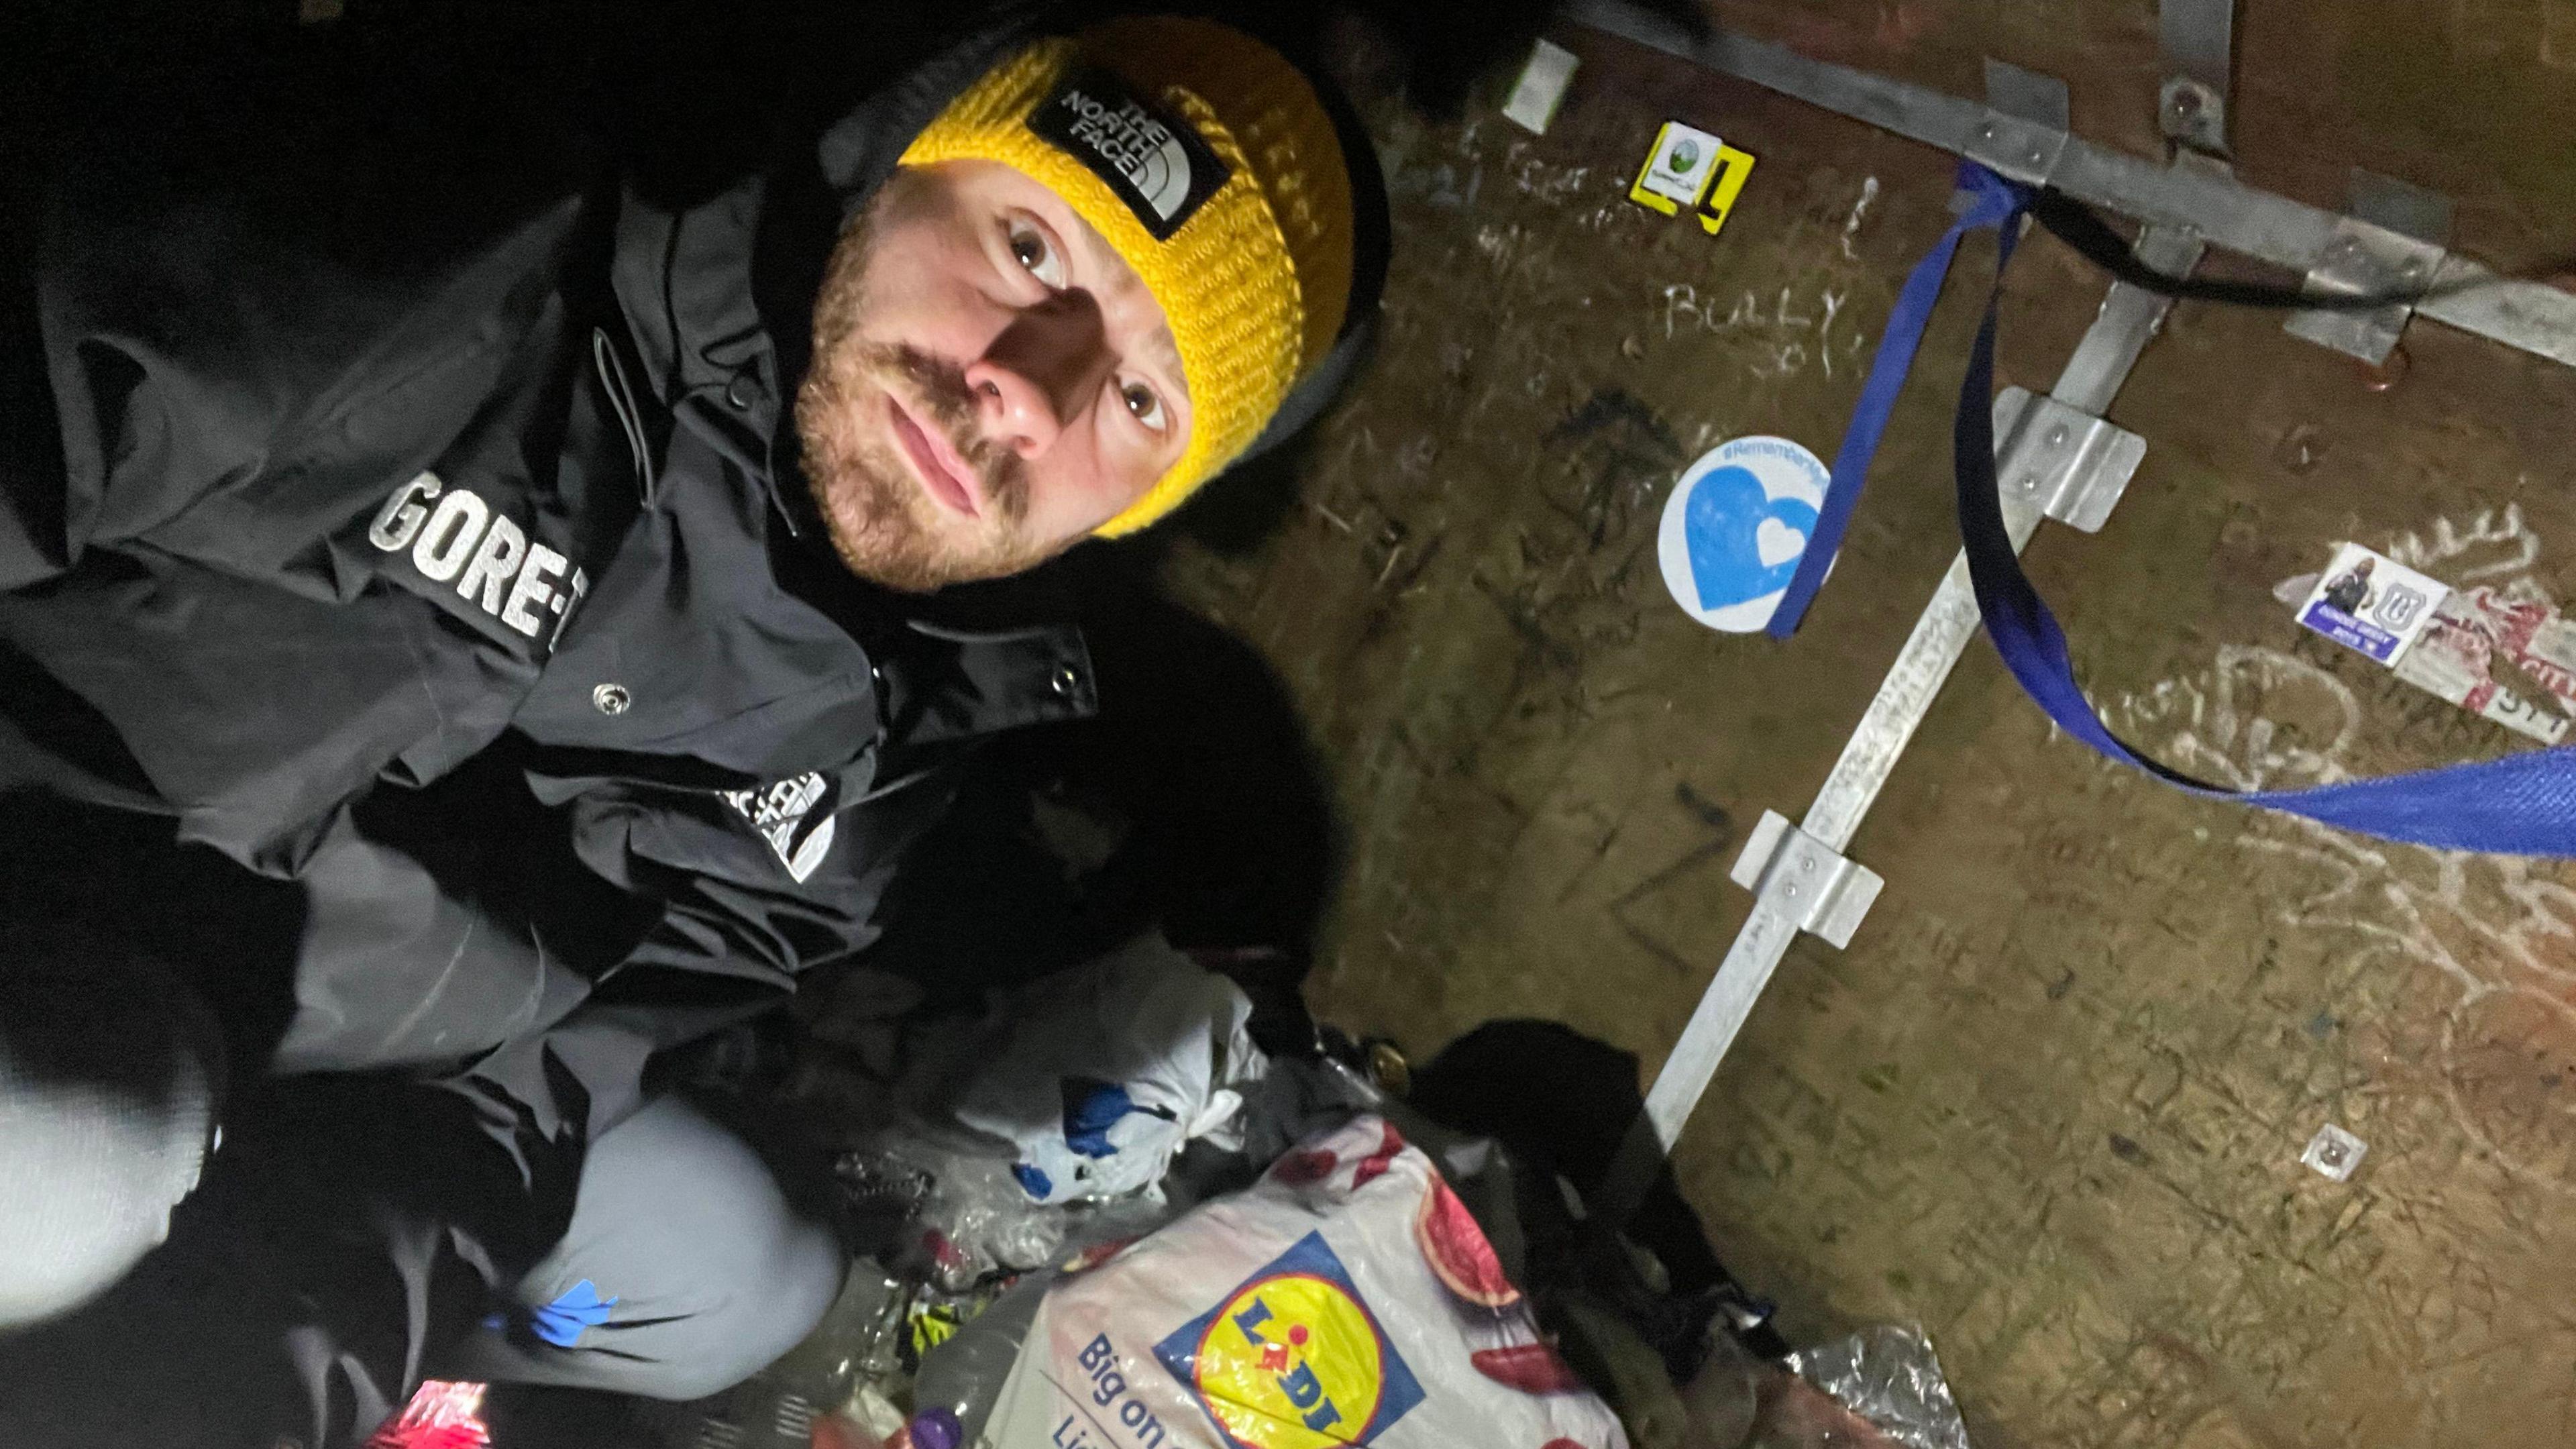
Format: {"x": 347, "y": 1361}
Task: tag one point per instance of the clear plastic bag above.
{"x": 945, "y": 1216}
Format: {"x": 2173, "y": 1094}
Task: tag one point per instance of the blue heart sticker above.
{"x": 1722, "y": 525}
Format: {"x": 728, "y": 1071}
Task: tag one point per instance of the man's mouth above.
{"x": 944, "y": 473}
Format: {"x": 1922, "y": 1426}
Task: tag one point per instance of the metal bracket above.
{"x": 1805, "y": 879}
{"x": 2197, "y": 38}
{"x": 2024, "y": 130}
{"x": 2070, "y": 463}
{"x": 2393, "y": 240}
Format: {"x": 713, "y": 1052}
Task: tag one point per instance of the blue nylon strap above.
{"x": 1990, "y": 201}
{"x": 2524, "y": 804}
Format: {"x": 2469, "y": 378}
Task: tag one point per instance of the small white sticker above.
{"x": 1679, "y": 170}
{"x": 2334, "y": 1153}
{"x": 1541, "y": 88}
{"x": 2369, "y": 602}
{"x": 1735, "y": 527}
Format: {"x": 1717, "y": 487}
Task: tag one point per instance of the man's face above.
{"x": 990, "y": 382}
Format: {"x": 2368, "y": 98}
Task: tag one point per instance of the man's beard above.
{"x": 883, "y": 522}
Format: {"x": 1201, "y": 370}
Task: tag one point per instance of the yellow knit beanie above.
{"x": 1208, "y": 163}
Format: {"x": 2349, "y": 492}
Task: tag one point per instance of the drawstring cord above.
{"x": 621, "y": 399}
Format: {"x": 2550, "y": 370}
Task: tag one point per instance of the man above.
{"x": 2351, "y": 590}
{"x": 518, "y": 576}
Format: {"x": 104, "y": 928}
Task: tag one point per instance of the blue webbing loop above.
{"x": 2523, "y": 804}
{"x": 1991, "y": 201}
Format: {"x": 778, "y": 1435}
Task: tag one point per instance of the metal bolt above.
{"x": 2057, "y": 436}
{"x": 2414, "y": 268}
{"x": 1986, "y": 132}
{"x": 1806, "y": 867}
{"x": 1790, "y": 891}
{"x": 2346, "y": 247}
{"x": 2033, "y": 155}
{"x": 2029, "y": 482}
{"x": 610, "y": 698}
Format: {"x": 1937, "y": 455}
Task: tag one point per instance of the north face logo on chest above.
{"x": 794, "y": 816}
{"x": 453, "y": 535}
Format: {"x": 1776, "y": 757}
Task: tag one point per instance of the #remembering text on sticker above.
{"x": 1735, "y": 527}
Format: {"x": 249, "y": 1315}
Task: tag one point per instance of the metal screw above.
{"x": 2029, "y": 482}
{"x": 2057, "y": 436}
{"x": 2346, "y": 247}
{"x": 610, "y": 698}
{"x": 1986, "y": 132}
{"x": 2414, "y": 268}
{"x": 1806, "y": 867}
{"x": 2032, "y": 155}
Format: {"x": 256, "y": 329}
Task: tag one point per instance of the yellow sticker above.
{"x": 1733, "y": 167}
{"x": 1689, "y": 168}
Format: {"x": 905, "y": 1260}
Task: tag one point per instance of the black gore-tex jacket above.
{"x": 347, "y": 447}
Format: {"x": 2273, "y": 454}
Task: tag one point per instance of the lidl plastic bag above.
{"x": 1347, "y": 1298}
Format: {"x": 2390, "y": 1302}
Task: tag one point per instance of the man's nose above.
{"x": 1042, "y": 369}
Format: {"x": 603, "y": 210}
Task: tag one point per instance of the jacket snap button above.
{"x": 1064, "y": 680}
{"x": 610, "y": 698}
{"x": 738, "y": 392}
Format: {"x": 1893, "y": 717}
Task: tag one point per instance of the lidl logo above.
{"x": 1294, "y": 1359}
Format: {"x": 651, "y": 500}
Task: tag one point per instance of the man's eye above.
{"x": 1029, "y": 248}
{"x": 1145, "y": 403}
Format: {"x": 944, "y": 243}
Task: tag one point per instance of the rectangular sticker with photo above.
{"x": 2369, "y": 602}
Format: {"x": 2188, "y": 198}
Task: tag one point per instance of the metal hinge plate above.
{"x": 1805, "y": 879}
{"x": 2070, "y": 463}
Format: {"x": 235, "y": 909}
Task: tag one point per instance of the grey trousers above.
{"x": 685, "y": 1270}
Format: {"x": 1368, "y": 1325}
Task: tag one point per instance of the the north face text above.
{"x": 453, "y": 534}
{"x": 1155, "y": 163}
{"x": 794, "y": 816}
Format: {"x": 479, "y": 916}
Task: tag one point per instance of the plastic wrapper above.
{"x": 951, "y": 1217}
{"x": 1102, "y": 1073}
{"x": 1348, "y": 1297}
{"x": 1889, "y": 1376}
{"x": 964, "y": 1373}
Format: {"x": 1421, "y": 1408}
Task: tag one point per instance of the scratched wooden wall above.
{"x": 2050, "y": 1103}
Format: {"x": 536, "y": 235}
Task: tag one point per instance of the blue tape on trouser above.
{"x": 2523, "y": 804}
{"x": 1990, "y": 201}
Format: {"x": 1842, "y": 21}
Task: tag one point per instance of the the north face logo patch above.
{"x": 1154, "y": 162}
{"x": 794, "y": 816}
